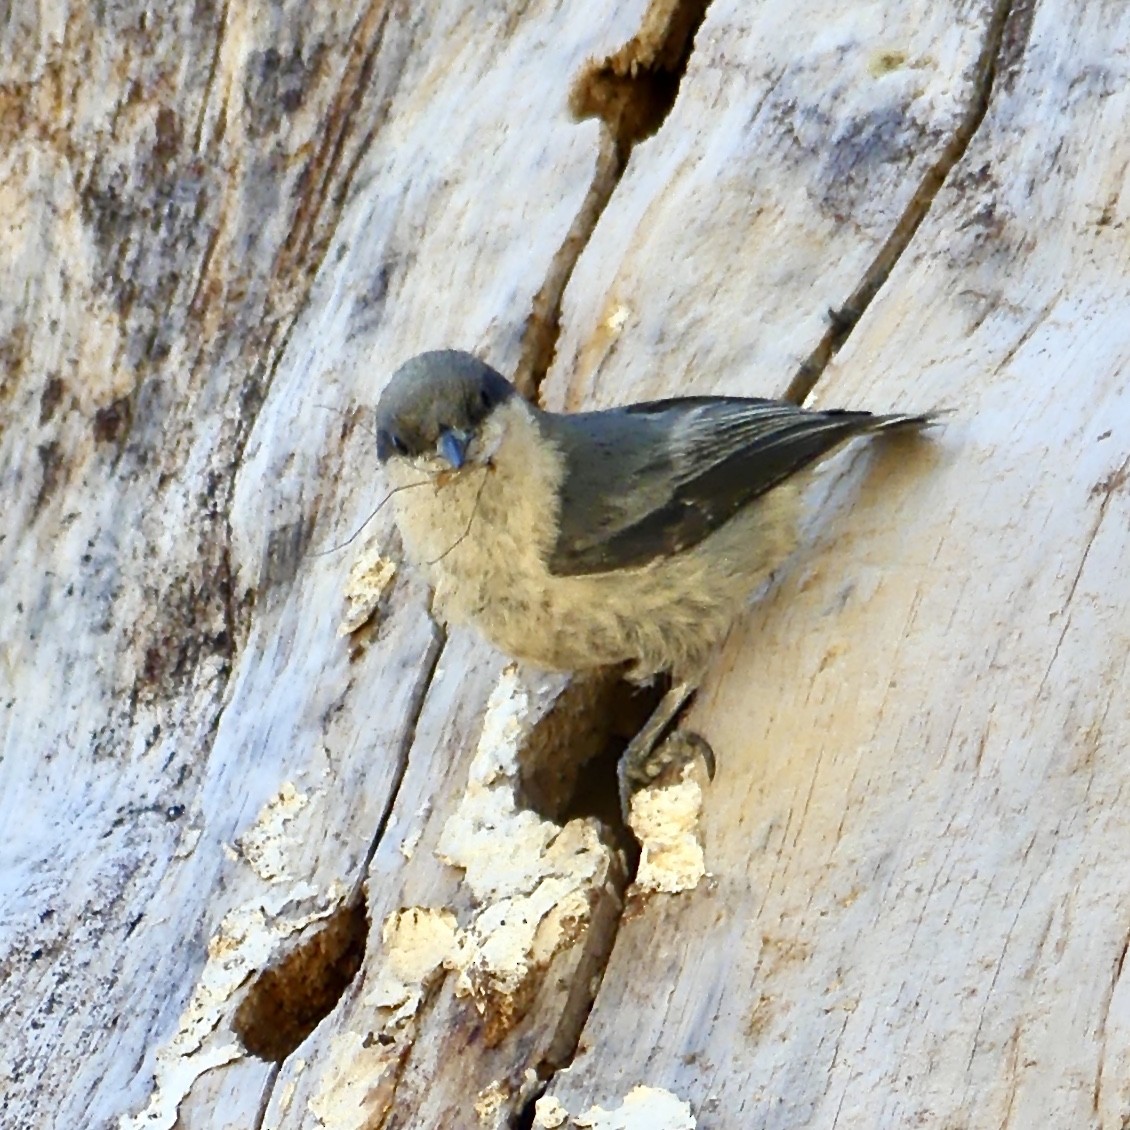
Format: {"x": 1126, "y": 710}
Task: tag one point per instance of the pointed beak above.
{"x": 452, "y": 447}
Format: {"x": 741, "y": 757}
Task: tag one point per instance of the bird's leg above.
{"x": 652, "y": 750}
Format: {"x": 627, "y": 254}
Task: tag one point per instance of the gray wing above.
{"x": 654, "y": 479}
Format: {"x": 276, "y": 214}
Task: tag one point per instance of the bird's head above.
{"x": 432, "y": 411}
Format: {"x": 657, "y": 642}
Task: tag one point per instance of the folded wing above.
{"x": 651, "y": 480}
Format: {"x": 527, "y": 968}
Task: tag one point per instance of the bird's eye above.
{"x": 388, "y": 444}
{"x": 485, "y": 398}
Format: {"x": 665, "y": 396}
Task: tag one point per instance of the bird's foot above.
{"x": 659, "y": 753}
{"x": 666, "y": 760}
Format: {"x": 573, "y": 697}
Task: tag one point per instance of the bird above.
{"x": 630, "y": 536}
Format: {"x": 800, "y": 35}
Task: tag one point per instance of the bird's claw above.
{"x": 644, "y": 766}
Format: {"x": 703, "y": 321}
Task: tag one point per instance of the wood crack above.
{"x": 265, "y": 1098}
{"x": 631, "y": 91}
{"x": 356, "y": 895}
{"x": 210, "y": 82}
{"x": 419, "y": 698}
{"x": 843, "y": 320}
{"x": 1104, "y": 1016}
{"x": 1106, "y": 489}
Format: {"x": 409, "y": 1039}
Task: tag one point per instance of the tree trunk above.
{"x": 279, "y": 852}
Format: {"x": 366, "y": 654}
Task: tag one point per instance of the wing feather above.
{"x": 655, "y": 479}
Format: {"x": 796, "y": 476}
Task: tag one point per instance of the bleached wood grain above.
{"x": 203, "y": 249}
{"x": 799, "y": 138}
{"x": 226, "y": 220}
{"x": 919, "y": 914}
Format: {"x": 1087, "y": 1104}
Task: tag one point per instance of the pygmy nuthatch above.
{"x": 633, "y": 535}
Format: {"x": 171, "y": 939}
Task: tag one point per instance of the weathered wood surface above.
{"x": 922, "y": 914}
{"x": 224, "y": 218}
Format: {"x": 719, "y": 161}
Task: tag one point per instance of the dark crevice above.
{"x": 631, "y": 91}
{"x": 568, "y": 771}
{"x": 568, "y": 768}
{"x": 596, "y": 794}
{"x": 568, "y": 765}
{"x": 543, "y": 325}
{"x": 561, "y": 1050}
{"x": 524, "y": 1118}
{"x": 286, "y": 1002}
{"x": 843, "y": 320}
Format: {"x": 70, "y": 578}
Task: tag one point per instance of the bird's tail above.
{"x": 897, "y": 421}
{"x": 797, "y": 438}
